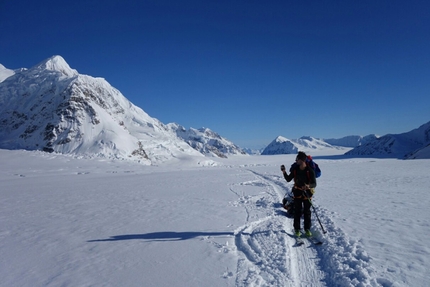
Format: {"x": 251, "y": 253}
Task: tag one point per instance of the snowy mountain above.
{"x": 282, "y": 145}
{"x": 206, "y": 141}
{"x": 5, "y": 73}
{"x": 253, "y": 151}
{"x": 413, "y": 144}
{"x": 351, "y": 141}
{"x": 53, "y": 108}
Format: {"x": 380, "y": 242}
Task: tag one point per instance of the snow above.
{"x": 52, "y": 107}
{"x": 421, "y": 153}
{"x": 206, "y": 141}
{"x": 282, "y": 145}
{"x": 405, "y": 145}
{"x": 57, "y": 63}
{"x": 67, "y": 221}
{"x": 5, "y": 73}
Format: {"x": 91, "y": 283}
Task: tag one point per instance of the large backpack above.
{"x": 314, "y": 166}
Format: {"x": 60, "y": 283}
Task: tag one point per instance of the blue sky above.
{"x": 249, "y": 70}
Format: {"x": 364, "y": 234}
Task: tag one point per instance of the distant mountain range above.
{"x": 351, "y": 141}
{"x": 53, "y": 108}
{"x": 410, "y": 145}
{"x": 282, "y": 145}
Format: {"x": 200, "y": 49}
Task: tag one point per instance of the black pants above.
{"x": 302, "y": 206}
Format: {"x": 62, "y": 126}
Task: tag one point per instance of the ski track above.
{"x": 267, "y": 251}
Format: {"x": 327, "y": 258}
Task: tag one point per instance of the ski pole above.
{"x": 319, "y": 221}
{"x": 313, "y": 207}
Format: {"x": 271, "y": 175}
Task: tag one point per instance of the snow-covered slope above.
{"x": 52, "y": 107}
{"x": 206, "y": 141}
{"x": 282, "y": 145}
{"x": 351, "y": 141}
{"x": 252, "y": 151}
{"x": 5, "y": 73}
{"x": 410, "y": 144}
{"x": 420, "y": 153}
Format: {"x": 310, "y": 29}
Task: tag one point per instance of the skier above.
{"x": 304, "y": 183}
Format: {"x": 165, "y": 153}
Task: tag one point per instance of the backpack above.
{"x": 288, "y": 204}
{"x": 314, "y": 166}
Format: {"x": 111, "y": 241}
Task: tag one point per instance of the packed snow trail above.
{"x": 269, "y": 256}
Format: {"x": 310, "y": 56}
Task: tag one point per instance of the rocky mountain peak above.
{"x": 51, "y": 107}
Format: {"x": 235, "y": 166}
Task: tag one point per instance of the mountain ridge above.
{"x": 51, "y": 107}
{"x": 408, "y": 145}
{"x": 414, "y": 144}
{"x": 206, "y": 141}
{"x": 283, "y": 145}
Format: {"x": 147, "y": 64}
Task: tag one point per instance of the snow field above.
{"x": 80, "y": 222}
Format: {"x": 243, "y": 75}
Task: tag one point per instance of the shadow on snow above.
{"x": 162, "y": 236}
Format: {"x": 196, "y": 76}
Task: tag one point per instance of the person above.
{"x": 304, "y": 183}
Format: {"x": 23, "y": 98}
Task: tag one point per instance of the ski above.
{"x": 299, "y": 241}
{"x": 314, "y": 240}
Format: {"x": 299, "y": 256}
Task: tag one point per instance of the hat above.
{"x": 301, "y": 155}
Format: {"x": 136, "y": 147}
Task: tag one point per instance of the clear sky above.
{"x": 249, "y": 70}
